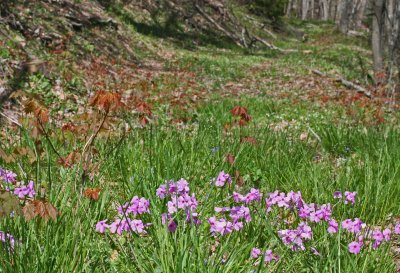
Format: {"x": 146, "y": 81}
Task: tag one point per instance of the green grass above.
{"x": 280, "y": 161}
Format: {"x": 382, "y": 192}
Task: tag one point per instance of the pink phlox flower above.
{"x": 350, "y": 197}
{"x": 255, "y": 252}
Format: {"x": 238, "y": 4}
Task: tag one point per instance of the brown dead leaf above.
{"x": 40, "y": 208}
{"x": 230, "y": 158}
{"x": 92, "y": 193}
{"x": 70, "y": 159}
{"x": 239, "y": 179}
{"x": 250, "y": 140}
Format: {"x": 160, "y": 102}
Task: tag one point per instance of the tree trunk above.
{"x": 377, "y": 35}
{"x": 344, "y": 16}
{"x": 312, "y": 9}
{"x": 289, "y": 8}
{"x": 358, "y": 17}
{"x": 304, "y": 9}
{"x": 324, "y": 9}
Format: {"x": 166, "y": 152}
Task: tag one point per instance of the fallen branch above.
{"x": 218, "y": 26}
{"x": 5, "y": 92}
{"x": 11, "y": 119}
{"x": 346, "y": 83}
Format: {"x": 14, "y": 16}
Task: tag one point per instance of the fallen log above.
{"x": 346, "y": 83}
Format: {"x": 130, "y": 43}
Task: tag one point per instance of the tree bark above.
{"x": 359, "y": 15}
{"x": 344, "y": 16}
{"x": 304, "y": 9}
{"x": 324, "y": 9}
{"x": 377, "y": 35}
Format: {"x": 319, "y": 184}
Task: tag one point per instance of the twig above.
{"x": 314, "y": 133}
{"x": 11, "y": 120}
{"x": 94, "y": 135}
{"x": 346, "y": 83}
{"x": 48, "y": 139}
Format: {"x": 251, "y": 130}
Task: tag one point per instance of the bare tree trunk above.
{"x": 312, "y": 9}
{"x": 377, "y": 35}
{"x": 304, "y": 9}
{"x": 392, "y": 28}
{"x": 344, "y": 16}
{"x": 289, "y": 8}
{"x": 324, "y": 9}
{"x": 337, "y": 13}
{"x": 358, "y": 17}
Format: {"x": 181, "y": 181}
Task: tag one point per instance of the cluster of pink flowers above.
{"x": 135, "y": 207}
{"x": 268, "y": 255}
{"x": 376, "y": 236}
{"x": 315, "y": 213}
{"x": 180, "y": 199}
{"x": 181, "y": 202}
{"x": 24, "y": 191}
{"x": 353, "y": 226}
{"x": 295, "y": 237}
{"x": 8, "y": 176}
{"x": 283, "y": 200}
{"x": 224, "y": 226}
{"x": 253, "y": 196}
{"x": 349, "y": 197}
{"x": 221, "y": 179}
{"x": 10, "y": 180}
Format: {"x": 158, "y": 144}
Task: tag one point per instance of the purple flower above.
{"x": 333, "y": 226}
{"x": 101, "y": 226}
{"x": 355, "y": 247}
{"x": 172, "y": 187}
{"x": 172, "y": 226}
{"x": 386, "y": 234}
{"x": 253, "y": 195}
{"x": 223, "y": 209}
{"x": 136, "y": 226}
{"x": 183, "y": 186}
{"x": 353, "y": 226}
{"x": 221, "y": 226}
{"x": 135, "y": 206}
{"x": 315, "y": 251}
{"x": 269, "y": 256}
{"x": 172, "y": 206}
{"x": 377, "y": 235}
{"x": 294, "y": 237}
{"x": 237, "y": 197}
{"x": 241, "y": 212}
{"x": 337, "y": 195}
{"x": 286, "y": 201}
{"x": 397, "y": 229}
{"x": 117, "y": 226}
{"x": 350, "y": 197}
{"x": 164, "y": 218}
{"x": 222, "y": 179}
{"x": 237, "y": 226}
{"x": 8, "y": 176}
{"x": 24, "y": 191}
{"x": 255, "y": 252}
{"x": 161, "y": 192}
{"x": 7, "y": 238}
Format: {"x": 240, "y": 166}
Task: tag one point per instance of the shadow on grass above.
{"x": 172, "y": 30}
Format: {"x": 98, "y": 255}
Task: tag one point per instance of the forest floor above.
{"x": 191, "y": 107}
